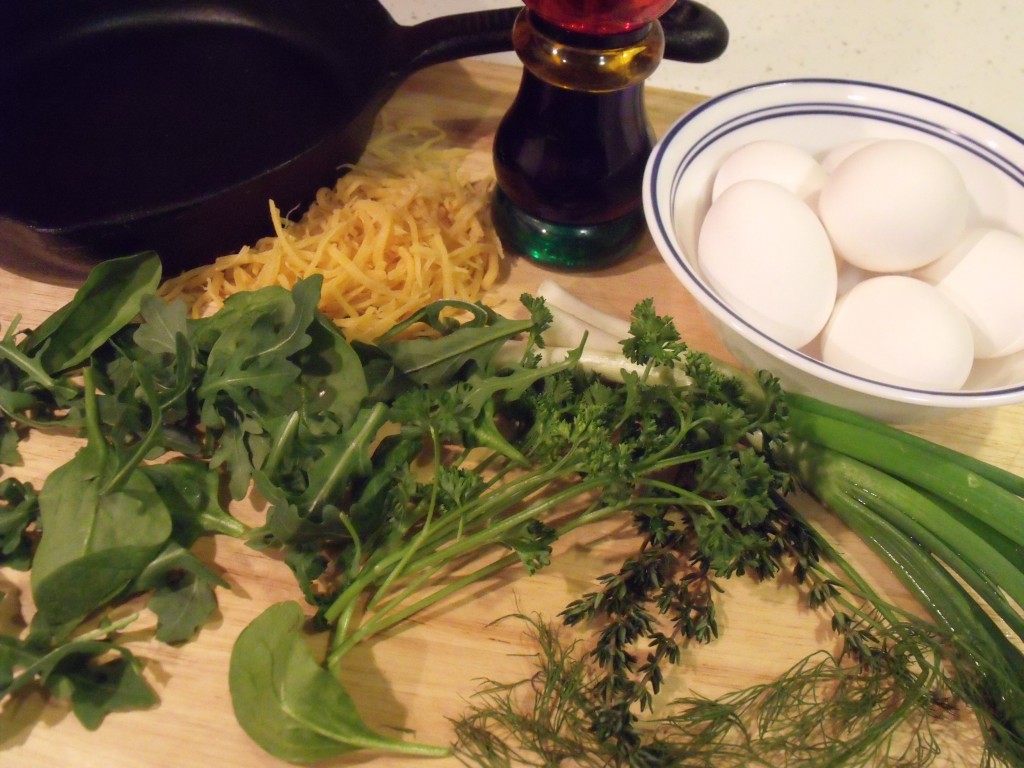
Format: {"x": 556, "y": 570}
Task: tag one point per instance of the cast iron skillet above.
{"x": 128, "y": 125}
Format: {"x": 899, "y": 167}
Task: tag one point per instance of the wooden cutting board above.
{"x": 414, "y": 680}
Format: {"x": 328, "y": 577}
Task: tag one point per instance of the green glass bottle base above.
{"x": 564, "y": 245}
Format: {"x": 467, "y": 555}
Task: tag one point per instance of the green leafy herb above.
{"x": 19, "y": 510}
{"x": 820, "y": 712}
{"x": 106, "y": 302}
{"x": 97, "y": 675}
{"x": 926, "y": 510}
{"x": 399, "y": 473}
{"x": 102, "y": 524}
{"x": 183, "y": 596}
{"x": 290, "y": 705}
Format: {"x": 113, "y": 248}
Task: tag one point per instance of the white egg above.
{"x": 899, "y": 330}
{"x": 894, "y": 206}
{"x": 831, "y": 159}
{"x": 984, "y": 276}
{"x": 762, "y": 249}
{"x": 788, "y": 166}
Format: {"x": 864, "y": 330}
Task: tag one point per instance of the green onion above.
{"x": 946, "y": 474}
{"x": 841, "y": 481}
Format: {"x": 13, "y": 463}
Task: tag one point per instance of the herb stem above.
{"x": 379, "y": 623}
{"x": 283, "y": 442}
{"x": 391, "y": 614}
{"x": 148, "y": 440}
{"x": 494, "y": 531}
{"x": 93, "y": 431}
{"x": 504, "y": 498}
{"x": 370, "y": 423}
{"x": 409, "y": 551}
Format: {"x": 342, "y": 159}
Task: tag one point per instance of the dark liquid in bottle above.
{"x": 573, "y": 157}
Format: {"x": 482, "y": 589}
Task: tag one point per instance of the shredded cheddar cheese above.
{"x": 405, "y": 226}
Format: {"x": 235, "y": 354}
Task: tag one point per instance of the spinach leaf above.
{"x": 289, "y": 704}
{"x": 95, "y": 541}
{"x": 103, "y": 522}
{"x": 109, "y": 299}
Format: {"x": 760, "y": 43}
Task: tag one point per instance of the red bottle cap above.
{"x": 599, "y": 17}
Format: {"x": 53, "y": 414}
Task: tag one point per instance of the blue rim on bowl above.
{"x": 796, "y": 110}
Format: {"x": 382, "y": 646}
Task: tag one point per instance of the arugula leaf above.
{"x": 332, "y": 373}
{"x": 190, "y": 491}
{"x": 435, "y": 361}
{"x": 22, "y": 663}
{"x": 290, "y": 705}
{"x": 80, "y": 670}
{"x": 9, "y": 439}
{"x": 182, "y": 607}
{"x": 21, "y": 373}
{"x": 236, "y": 449}
{"x": 162, "y": 323}
{"x": 295, "y": 517}
{"x": 385, "y": 487}
{"x": 255, "y": 339}
{"x": 349, "y": 456}
{"x": 267, "y": 357}
{"x": 19, "y": 508}
{"x": 183, "y": 596}
{"x": 116, "y": 685}
{"x": 289, "y": 525}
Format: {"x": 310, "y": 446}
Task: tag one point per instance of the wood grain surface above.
{"x": 414, "y": 680}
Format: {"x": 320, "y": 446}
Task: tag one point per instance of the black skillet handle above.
{"x": 693, "y": 33}
{"x": 452, "y": 37}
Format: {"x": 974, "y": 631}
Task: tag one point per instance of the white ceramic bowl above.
{"x": 819, "y": 114}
